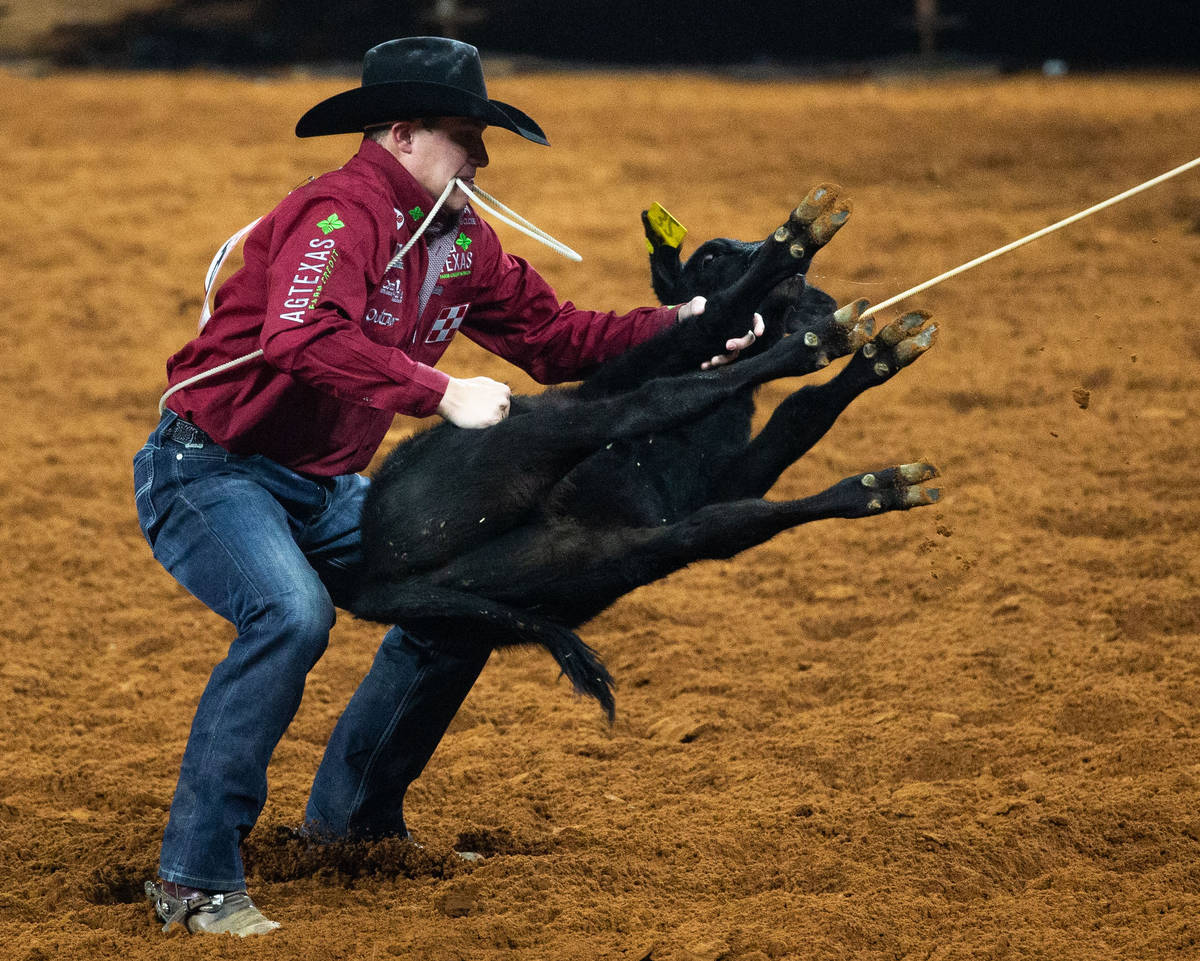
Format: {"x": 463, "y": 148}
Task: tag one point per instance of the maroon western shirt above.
{"x": 350, "y": 338}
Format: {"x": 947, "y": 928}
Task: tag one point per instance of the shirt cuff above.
{"x": 422, "y": 388}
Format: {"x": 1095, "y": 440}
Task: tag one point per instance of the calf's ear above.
{"x": 665, "y": 268}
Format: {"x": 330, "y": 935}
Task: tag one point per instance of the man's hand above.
{"x": 475, "y": 402}
{"x": 695, "y": 307}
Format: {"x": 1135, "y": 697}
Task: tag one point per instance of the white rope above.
{"x": 395, "y": 261}
{"x": 497, "y": 210}
{"x": 220, "y": 368}
{"x": 214, "y": 268}
{"x": 1033, "y": 236}
{"x": 513, "y": 219}
{"x": 210, "y": 279}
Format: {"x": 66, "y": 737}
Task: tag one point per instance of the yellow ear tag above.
{"x": 668, "y": 230}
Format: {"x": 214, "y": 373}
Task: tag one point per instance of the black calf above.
{"x": 521, "y": 532}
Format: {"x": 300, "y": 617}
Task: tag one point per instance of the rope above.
{"x": 395, "y": 261}
{"x": 1031, "y": 237}
{"x": 513, "y": 219}
{"x": 218, "y": 262}
{"x": 497, "y": 210}
{"x": 210, "y": 279}
{"x": 212, "y": 372}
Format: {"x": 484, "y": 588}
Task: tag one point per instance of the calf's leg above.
{"x": 720, "y": 531}
{"x": 573, "y": 424}
{"x": 533, "y": 587}
{"x": 804, "y": 417}
{"x": 571, "y": 572}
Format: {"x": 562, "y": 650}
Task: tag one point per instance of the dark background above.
{"x": 800, "y": 35}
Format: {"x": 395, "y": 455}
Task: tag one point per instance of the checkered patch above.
{"x": 446, "y": 323}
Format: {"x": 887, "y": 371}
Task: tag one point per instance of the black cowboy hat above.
{"x": 416, "y": 77}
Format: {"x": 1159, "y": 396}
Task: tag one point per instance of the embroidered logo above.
{"x": 416, "y": 213}
{"x": 330, "y": 224}
{"x": 446, "y": 323}
{"x": 458, "y": 264}
{"x": 399, "y": 217}
{"x": 392, "y": 289}
{"x": 463, "y": 241}
{"x": 312, "y": 273}
{"x": 381, "y": 317}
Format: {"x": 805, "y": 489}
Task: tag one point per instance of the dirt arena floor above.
{"x": 968, "y": 731}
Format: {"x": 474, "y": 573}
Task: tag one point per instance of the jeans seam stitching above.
{"x": 369, "y": 767}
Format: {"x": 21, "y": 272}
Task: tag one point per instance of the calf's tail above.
{"x": 410, "y": 605}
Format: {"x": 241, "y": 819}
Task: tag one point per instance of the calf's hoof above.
{"x": 900, "y": 343}
{"x": 814, "y": 222}
{"x": 844, "y": 332}
{"x": 899, "y": 488}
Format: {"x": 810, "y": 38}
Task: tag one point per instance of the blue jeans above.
{"x": 274, "y": 551}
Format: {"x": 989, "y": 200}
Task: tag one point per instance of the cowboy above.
{"x": 248, "y": 489}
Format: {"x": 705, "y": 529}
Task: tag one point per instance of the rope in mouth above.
{"x": 515, "y": 220}
{"x": 497, "y": 210}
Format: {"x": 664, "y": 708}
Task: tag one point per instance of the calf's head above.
{"x": 716, "y": 264}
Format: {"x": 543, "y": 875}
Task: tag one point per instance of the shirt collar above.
{"x": 407, "y": 194}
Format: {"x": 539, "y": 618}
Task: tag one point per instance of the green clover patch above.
{"x": 330, "y": 224}
{"x": 463, "y": 241}
{"x": 416, "y": 213}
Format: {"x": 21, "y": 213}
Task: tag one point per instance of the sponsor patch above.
{"x": 446, "y": 323}
{"x": 393, "y": 290}
{"x": 312, "y": 273}
{"x": 457, "y": 264}
{"x": 383, "y": 318}
{"x": 399, "y": 217}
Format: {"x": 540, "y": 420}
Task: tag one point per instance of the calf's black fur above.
{"x": 520, "y": 533}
